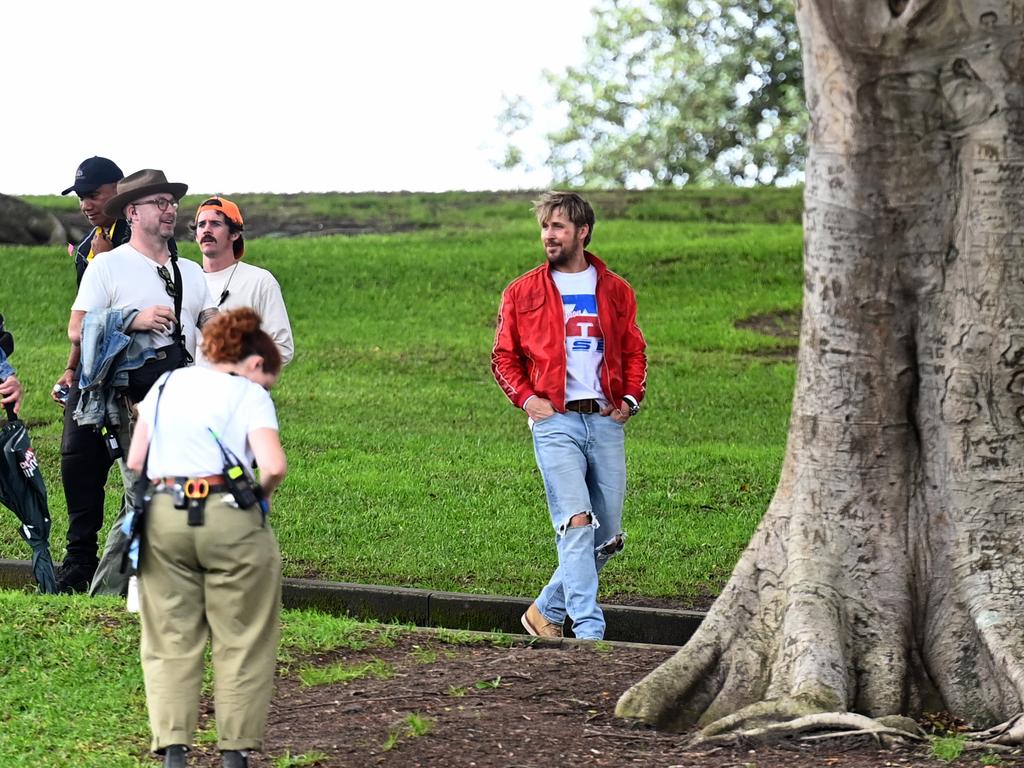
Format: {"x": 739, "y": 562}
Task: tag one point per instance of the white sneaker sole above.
{"x": 526, "y": 625}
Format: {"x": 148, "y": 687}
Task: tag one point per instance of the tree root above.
{"x": 1010, "y": 733}
{"x": 848, "y": 724}
{"x": 1003, "y": 749}
{"x": 1003, "y": 738}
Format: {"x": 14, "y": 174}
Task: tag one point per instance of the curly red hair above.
{"x": 232, "y": 336}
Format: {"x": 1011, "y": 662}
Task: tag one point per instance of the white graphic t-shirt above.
{"x": 584, "y": 344}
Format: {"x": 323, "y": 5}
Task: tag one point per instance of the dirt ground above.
{"x": 426, "y": 702}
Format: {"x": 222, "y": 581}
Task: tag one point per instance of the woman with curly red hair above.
{"x": 210, "y": 565}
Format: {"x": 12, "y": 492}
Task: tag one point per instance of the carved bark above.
{"x": 888, "y": 573}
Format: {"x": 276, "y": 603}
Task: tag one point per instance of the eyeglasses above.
{"x": 160, "y": 202}
{"x": 168, "y": 282}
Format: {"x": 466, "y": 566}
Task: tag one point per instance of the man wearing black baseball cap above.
{"x": 93, "y": 173}
{"x": 95, "y": 183}
{"x": 85, "y": 462}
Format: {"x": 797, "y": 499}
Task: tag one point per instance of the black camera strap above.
{"x": 179, "y": 337}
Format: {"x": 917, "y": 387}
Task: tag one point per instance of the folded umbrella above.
{"x": 23, "y": 491}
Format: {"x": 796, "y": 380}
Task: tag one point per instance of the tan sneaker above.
{"x": 537, "y": 625}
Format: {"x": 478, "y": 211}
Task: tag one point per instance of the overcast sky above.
{"x": 298, "y": 95}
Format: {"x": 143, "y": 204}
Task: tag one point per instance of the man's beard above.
{"x": 564, "y": 256}
{"x": 162, "y": 229}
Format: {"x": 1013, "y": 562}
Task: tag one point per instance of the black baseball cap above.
{"x": 93, "y": 174}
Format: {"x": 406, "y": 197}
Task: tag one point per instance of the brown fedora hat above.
{"x": 138, "y": 185}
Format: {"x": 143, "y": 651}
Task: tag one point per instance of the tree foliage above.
{"x": 678, "y": 91}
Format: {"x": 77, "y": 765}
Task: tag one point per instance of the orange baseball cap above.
{"x": 231, "y": 212}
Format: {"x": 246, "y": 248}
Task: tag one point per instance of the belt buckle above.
{"x": 197, "y": 488}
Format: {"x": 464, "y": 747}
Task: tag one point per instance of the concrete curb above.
{"x": 451, "y": 610}
{"x": 528, "y": 641}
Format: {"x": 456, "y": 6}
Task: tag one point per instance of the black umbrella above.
{"x": 23, "y": 491}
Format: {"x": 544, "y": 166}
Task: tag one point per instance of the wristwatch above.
{"x": 634, "y": 406}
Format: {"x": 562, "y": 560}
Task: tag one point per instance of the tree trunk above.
{"x": 887, "y": 575}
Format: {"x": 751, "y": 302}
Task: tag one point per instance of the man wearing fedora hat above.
{"x": 163, "y": 300}
{"x": 218, "y": 227}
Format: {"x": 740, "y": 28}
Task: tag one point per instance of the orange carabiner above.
{"x": 197, "y": 488}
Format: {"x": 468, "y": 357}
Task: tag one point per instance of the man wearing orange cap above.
{"x": 218, "y": 227}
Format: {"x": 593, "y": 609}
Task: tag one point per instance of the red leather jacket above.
{"x": 529, "y": 347}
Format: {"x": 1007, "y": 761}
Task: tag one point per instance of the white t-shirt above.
{"x": 584, "y": 342}
{"x": 255, "y": 287}
{"x": 126, "y": 279}
{"x": 194, "y": 401}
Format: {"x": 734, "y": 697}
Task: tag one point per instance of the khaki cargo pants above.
{"x": 220, "y": 580}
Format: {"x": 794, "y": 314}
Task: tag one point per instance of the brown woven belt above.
{"x": 583, "y": 406}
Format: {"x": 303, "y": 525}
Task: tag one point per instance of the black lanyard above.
{"x": 178, "y": 336}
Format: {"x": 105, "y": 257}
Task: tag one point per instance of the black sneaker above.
{"x": 233, "y": 758}
{"x": 74, "y": 576}
{"x": 174, "y": 756}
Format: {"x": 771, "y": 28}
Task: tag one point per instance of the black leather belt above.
{"x": 583, "y": 406}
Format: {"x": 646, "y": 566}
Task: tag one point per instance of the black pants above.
{"x": 84, "y": 466}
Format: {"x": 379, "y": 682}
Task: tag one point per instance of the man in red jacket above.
{"x": 568, "y": 352}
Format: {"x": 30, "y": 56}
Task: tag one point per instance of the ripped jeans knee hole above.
{"x": 578, "y": 520}
{"x": 612, "y": 546}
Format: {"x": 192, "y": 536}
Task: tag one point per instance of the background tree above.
{"x": 888, "y": 572}
{"x": 678, "y": 91}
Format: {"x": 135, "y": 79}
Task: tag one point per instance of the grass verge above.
{"x": 409, "y": 467}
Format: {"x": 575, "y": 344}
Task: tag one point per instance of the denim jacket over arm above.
{"x": 109, "y": 352}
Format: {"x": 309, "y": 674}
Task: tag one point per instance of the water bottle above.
{"x": 61, "y": 391}
{"x": 132, "y": 602}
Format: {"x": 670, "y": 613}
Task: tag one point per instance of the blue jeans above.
{"x": 582, "y": 458}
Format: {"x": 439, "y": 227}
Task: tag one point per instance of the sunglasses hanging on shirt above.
{"x": 165, "y": 275}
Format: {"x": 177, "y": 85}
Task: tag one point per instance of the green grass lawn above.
{"x": 409, "y": 467}
{"x": 73, "y": 693}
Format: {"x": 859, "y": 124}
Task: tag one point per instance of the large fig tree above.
{"x": 887, "y": 575}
